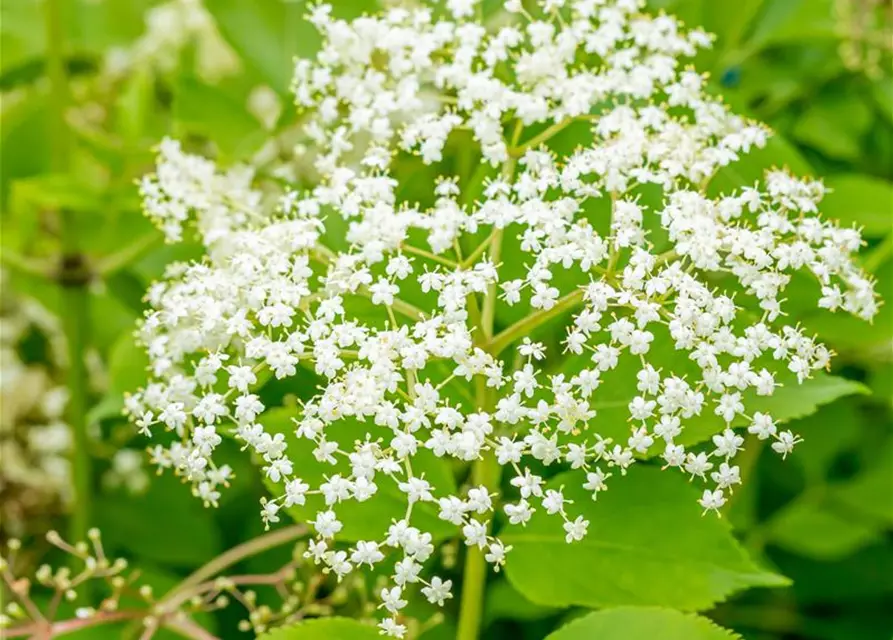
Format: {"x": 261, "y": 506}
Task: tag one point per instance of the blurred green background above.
{"x": 216, "y": 75}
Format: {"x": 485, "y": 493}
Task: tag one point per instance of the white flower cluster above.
{"x": 385, "y": 92}
{"x": 170, "y": 28}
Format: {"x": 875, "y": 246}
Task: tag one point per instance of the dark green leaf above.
{"x": 648, "y": 544}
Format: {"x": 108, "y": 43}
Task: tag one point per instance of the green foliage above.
{"x": 823, "y": 520}
{"x": 647, "y": 545}
{"x": 641, "y": 623}
{"x": 362, "y": 520}
{"x": 328, "y": 629}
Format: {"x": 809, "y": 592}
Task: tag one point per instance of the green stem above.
{"x": 485, "y": 472}
{"x": 24, "y": 265}
{"x": 114, "y": 262}
{"x": 526, "y": 326}
{"x": 75, "y": 298}
{"x": 182, "y": 591}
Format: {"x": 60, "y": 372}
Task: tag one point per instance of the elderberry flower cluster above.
{"x": 405, "y": 310}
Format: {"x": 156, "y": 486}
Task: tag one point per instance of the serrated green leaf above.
{"x": 324, "y": 629}
{"x": 362, "y": 520}
{"x": 648, "y": 544}
{"x": 641, "y": 623}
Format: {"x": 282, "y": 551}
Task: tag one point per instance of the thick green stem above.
{"x": 474, "y": 576}
{"x": 485, "y": 472}
{"x": 75, "y": 310}
{"x": 72, "y": 277}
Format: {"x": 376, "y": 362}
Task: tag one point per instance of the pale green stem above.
{"x": 530, "y": 323}
{"x": 485, "y": 472}
{"x": 127, "y": 255}
{"x": 182, "y": 591}
{"x": 427, "y": 254}
{"x": 75, "y": 298}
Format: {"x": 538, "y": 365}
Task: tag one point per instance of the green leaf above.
{"x": 641, "y": 623}
{"x": 869, "y": 492}
{"x": 212, "y": 112}
{"x": 324, "y": 629}
{"x": 860, "y": 200}
{"x": 648, "y": 544}
{"x": 166, "y": 525}
{"x": 830, "y": 431}
{"x": 834, "y": 125}
{"x": 611, "y": 399}
{"x": 267, "y": 35}
{"x": 793, "y": 21}
{"x": 810, "y": 526}
{"x": 128, "y": 365}
{"x": 503, "y": 602}
{"x": 369, "y": 519}
{"x": 751, "y": 167}
{"x": 794, "y": 401}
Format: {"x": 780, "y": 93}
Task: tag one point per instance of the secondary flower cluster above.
{"x": 408, "y": 325}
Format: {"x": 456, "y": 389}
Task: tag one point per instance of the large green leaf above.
{"x": 648, "y": 544}
{"x": 369, "y": 519}
{"x": 324, "y": 629}
{"x": 641, "y": 623}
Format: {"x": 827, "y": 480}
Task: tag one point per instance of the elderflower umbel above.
{"x": 636, "y": 273}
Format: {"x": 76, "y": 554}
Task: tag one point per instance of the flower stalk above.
{"x": 73, "y": 278}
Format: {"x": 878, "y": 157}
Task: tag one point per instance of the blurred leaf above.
{"x": 641, "y": 623}
{"x": 324, "y": 629}
{"x": 54, "y": 192}
{"x": 856, "y": 579}
{"x": 832, "y": 430}
{"x": 166, "y": 525}
{"x": 128, "y": 365}
{"x": 503, "y": 601}
{"x": 648, "y": 544}
{"x": 793, "y": 21}
{"x": 810, "y": 526}
{"x": 209, "y": 111}
{"x": 267, "y": 34}
{"x": 860, "y": 200}
{"x": 751, "y": 167}
{"x": 882, "y": 93}
{"x": 134, "y": 105}
{"x": 871, "y": 492}
{"x": 834, "y": 125}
